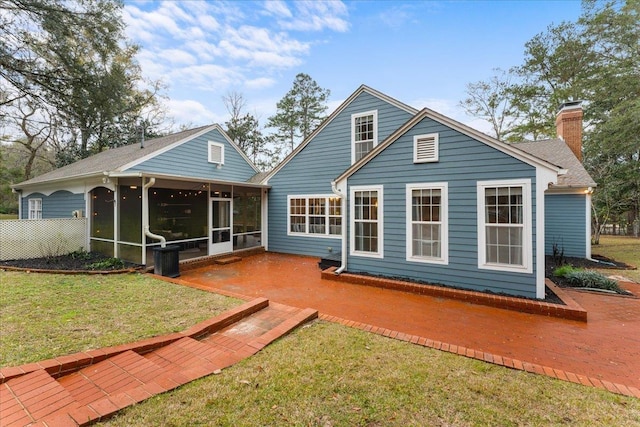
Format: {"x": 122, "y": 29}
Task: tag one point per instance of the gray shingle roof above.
{"x": 556, "y": 151}
{"x": 113, "y": 159}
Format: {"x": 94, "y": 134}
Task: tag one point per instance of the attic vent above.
{"x": 216, "y": 153}
{"x": 425, "y": 148}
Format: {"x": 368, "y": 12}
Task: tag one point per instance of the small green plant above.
{"x": 563, "y": 270}
{"x": 107, "y": 264}
{"x": 80, "y": 254}
{"x": 591, "y": 279}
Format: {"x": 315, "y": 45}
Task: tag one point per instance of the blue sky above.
{"x": 420, "y": 52}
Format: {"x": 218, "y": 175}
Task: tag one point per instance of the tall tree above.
{"x": 244, "y": 129}
{"x": 299, "y": 111}
{"x": 73, "y": 57}
{"x": 595, "y": 59}
{"x": 491, "y": 101}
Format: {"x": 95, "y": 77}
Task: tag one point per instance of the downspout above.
{"x": 343, "y": 261}
{"x": 145, "y": 213}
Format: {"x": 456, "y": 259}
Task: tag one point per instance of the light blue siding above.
{"x": 463, "y": 162}
{"x": 320, "y": 162}
{"x": 57, "y": 205}
{"x": 191, "y": 159}
{"x": 565, "y": 221}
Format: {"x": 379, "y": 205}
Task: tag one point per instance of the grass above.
{"x": 328, "y": 375}
{"x": 321, "y": 374}
{"x": 44, "y": 315}
{"x": 620, "y": 248}
{"x": 8, "y": 216}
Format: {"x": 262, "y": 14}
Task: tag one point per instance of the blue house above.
{"x": 384, "y": 188}
{"x": 416, "y": 195}
{"x": 195, "y": 189}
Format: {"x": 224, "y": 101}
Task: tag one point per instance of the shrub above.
{"x": 80, "y": 254}
{"x": 107, "y": 264}
{"x": 563, "y": 270}
{"x": 591, "y": 279}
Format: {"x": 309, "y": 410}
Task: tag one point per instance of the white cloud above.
{"x": 177, "y": 57}
{"x": 261, "y": 48}
{"x": 193, "y": 112}
{"x": 208, "y": 77}
{"x": 277, "y": 8}
{"x": 315, "y": 15}
{"x": 199, "y": 47}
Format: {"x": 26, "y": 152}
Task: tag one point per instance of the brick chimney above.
{"x": 569, "y": 126}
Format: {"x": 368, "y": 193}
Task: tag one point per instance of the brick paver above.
{"x": 605, "y": 348}
{"x": 127, "y": 374}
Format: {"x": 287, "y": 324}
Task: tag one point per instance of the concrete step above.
{"x": 228, "y": 260}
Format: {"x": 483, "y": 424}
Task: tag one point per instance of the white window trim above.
{"x": 217, "y": 144}
{"x": 306, "y": 233}
{"x": 373, "y": 113}
{"x": 527, "y": 255}
{"x": 436, "y": 148}
{"x": 352, "y": 235}
{"x": 444, "y": 222}
{"x": 33, "y": 209}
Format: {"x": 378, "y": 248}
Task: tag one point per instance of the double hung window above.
{"x": 35, "y": 208}
{"x": 364, "y": 134}
{"x": 427, "y": 223}
{"x": 366, "y": 221}
{"x": 504, "y": 225}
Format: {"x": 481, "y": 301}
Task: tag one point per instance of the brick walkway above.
{"x": 83, "y": 388}
{"x": 602, "y": 352}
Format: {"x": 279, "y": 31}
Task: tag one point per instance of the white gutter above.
{"x": 145, "y": 218}
{"x": 343, "y": 261}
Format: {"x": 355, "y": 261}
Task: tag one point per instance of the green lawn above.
{"x": 329, "y": 375}
{"x": 48, "y": 315}
{"x": 8, "y": 216}
{"x": 620, "y": 248}
{"x": 322, "y": 374}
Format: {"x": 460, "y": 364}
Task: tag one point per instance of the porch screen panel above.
{"x": 102, "y": 213}
{"x": 178, "y": 214}
{"x": 130, "y": 214}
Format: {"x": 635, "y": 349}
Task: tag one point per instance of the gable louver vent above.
{"x": 216, "y": 153}
{"x": 425, "y": 148}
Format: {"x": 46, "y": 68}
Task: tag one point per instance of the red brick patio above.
{"x": 603, "y": 352}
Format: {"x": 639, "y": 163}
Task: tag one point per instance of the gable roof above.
{"x": 455, "y": 125}
{"x": 333, "y": 115}
{"x": 121, "y": 158}
{"x": 558, "y": 152}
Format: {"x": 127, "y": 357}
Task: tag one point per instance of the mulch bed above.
{"x": 601, "y": 262}
{"x": 67, "y": 263}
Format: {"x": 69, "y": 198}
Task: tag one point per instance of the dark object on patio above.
{"x": 330, "y": 260}
{"x": 165, "y": 261}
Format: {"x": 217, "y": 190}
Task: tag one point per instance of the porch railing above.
{"x": 35, "y": 238}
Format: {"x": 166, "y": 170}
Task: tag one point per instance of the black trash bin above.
{"x": 165, "y": 261}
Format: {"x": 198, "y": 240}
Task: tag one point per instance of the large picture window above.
{"x": 427, "y": 223}
{"x": 366, "y": 221}
{"x": 504, "y": 225}
{"x": 317, "y": 215}
{"x": 364, "y": 134}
